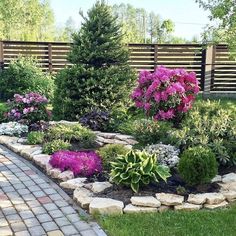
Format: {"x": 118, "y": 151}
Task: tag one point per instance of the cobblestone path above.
{"x": 31, "y": 204}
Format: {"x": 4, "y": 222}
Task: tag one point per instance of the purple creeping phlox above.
{"x": 165, "y": 93}
{"x": 81, "y": 163}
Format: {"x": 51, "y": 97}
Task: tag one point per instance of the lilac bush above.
{"x": 29, "y": 109}
{"x": 81, "y": 163}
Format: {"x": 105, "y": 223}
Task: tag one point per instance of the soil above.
{"x": 173, "y": 185}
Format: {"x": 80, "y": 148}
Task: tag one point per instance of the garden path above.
{"x": 31, "y": 204}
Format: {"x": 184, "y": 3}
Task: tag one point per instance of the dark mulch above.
{"x": 174, "y": 185}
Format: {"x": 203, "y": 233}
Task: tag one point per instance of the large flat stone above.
{"x": 230, "y": 195}
{"x": 66, "y": 175}
{"x": 106, "y": 206}
{"x": 214, "y": 198}
{"x": 73, "y": 183}
{"x": 83, "y": 196}
{"x": 41, "y": 160}
{"x": 145, "y": 201}
{"x": 138, "y": 209}
{"x": 187, "y": 207}
{"x": 216, "y": 179}
{"x": 169, "y": 199}
{"x": 228, "y": 178}
{"x": 26, "y": 152}
{"x": 215, "y": 206}
{"x": 228, "y": 186}
{"x": 98, "y": 187}
{"x": 197, "y": 198}
{"x": 54, "y": 173}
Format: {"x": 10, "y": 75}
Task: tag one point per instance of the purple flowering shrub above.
{"x": 81, "y": 163}
{"x": 29, "y": 109}
{"x": 165, "y": 94}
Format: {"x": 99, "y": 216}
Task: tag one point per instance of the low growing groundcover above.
{"x": 199, "y": 223}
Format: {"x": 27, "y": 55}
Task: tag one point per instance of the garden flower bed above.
{"x": 102, "y": 197}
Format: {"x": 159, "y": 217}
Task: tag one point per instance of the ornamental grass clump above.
{"x": 81, "y": 163}
{"x": 166, "y": 94}
{"x": 28, "y": 109}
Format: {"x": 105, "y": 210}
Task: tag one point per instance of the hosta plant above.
{"x": 137, "y": 168}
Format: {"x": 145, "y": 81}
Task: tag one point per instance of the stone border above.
{"x": 85, "y": 193}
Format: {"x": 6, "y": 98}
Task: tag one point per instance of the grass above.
{"x": 196, "y": 223}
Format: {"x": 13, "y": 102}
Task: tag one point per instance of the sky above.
{"x": 189, "y": 19}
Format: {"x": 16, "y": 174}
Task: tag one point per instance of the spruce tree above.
{"x": 100, "y": 77}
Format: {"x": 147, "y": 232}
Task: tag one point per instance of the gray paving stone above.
{"x": 50, "y": 206}
{"x": 49, "y": 226}
{"x": 19, "y": 186}
{"x": 33, "y": 203}
{"x": 23, "y": 191}
{"x": 69, "y": 230}
{"x": 34, "y": 188}
{"x": 81, "y": 225}
{"x": 55, "y": 197}
{"x": 38, "y": 210}
{"x": 28, "y": 197}
{"x": 37, "y": 231}
{"x": 8, "y": 189}
{"x": 56, "y": 213}
{"x": 39, "y": 194}
{"x": 13, "y": 218}
{"x": 49, "y": 191}
{"x": 62, "y": 203}
{"x": 68, "y": 210}
{"x": 62, "y": 221}
{"x": 22, "y": 233}
{"x": 31, "y": 222}
{"x": 88, "y": 232}
{"x": 9, "y": 211}
{"x": 18, "y": 226}
{"x": 73, "y": 217}
{"x": 44, "y": 218}
{"x": 26, "y": 214}
{"x": 5, "y": 231}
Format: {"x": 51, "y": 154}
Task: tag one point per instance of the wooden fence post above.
{"x": 50, "y": 57}
{"x": 209, "y": 69}
{"x": 155, "y": 56}
{"x": 1, "y": 56}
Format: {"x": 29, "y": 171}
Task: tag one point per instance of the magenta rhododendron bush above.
{"x": 81, "y": 163}
{"x": 165, "y": 94}
{"x": 29, "y": 109}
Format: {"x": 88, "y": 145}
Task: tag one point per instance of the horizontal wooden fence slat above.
{"x": 52, "y": 56}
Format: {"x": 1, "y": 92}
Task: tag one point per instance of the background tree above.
{"x": 223, "y": 17}
{"x": 140, "y": 26}
{"x": 101, "y": 78}
{"x": 26, "y": 20}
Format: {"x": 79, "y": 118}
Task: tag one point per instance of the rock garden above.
{"x": 117, "y": 142}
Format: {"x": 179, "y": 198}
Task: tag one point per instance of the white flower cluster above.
{"x": 13, "y": 128}
{"x": 166, "y": 154}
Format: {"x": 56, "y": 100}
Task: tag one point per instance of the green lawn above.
{"x": 197, "y": 223}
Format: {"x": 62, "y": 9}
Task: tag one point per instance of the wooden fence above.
{"x": 215, "y": 70}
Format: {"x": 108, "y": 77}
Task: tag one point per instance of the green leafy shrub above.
{"x": 147, "y": 131}
{"x": 137, "y": 168}
{"x": 35, "y": 137}
{"x": 56, "y": 145}
{"x": 24, "y": 76}
{"x": 72, "y": 133}
{"x": 101, "y": 76}
{"x": 209, "y": 124}
{"x": 197, "y": 165}
{"x": 110, "y": 152}
{"x": 3, "y": 110}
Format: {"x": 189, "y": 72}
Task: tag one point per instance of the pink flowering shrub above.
{"x": 82, "y": 163}
{"x": 29, "y": 109}
{"x": 165, "y": 94}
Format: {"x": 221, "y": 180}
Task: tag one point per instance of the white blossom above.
{"x": 166, "y": 154}
{"x": 13, "y": 128}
